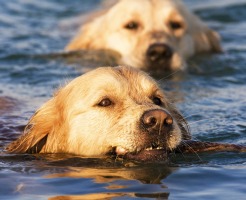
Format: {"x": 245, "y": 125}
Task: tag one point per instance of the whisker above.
{"x": 192, "y": 150}
{"x": 205, "y": 129}
{"x": 180, "y": 152}
{"x": 186, "y": 117}
{"x": 202, "y": 120}
{"x": 175, "y": 72}
{"x": 194, "y": 138}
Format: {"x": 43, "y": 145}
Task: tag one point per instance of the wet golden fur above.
{"x": 74, "y": 121}
{"x": 154, "y": 19}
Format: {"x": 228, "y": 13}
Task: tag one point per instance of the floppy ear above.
{"x": 89, "y": 37}
{"x": 207, "y": 40}
{"x": 39, "y": 131}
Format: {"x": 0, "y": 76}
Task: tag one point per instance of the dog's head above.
{"x": 150, "y": 34}
{"x": 117, "y": 110}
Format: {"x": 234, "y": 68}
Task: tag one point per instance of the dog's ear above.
{"x": 205, "y": 39}
{"x": 37, "y": 132}
{"x": 89, "y": 37}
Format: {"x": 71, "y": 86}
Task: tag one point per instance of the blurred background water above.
{"x": 212, "y": 95}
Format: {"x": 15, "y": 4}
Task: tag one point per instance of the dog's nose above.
{"x": 157, "y": 121}
{"x": 159, "y": 52}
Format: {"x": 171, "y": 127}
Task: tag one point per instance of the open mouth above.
{"x": 147, "y": 154}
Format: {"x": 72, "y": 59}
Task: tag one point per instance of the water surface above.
{"x": 211, "y": 94}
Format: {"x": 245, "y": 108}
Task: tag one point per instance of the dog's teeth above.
{"x": 121, "y": 151}
{"x": 149, "y": 148}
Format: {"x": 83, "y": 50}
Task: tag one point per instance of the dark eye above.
{"x": 175, "y": 25}
{"x": 157, "y": 101}
{"x": 105, "y": 103}
{"x": 132, "y": 25}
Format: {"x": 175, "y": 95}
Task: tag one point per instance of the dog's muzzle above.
{"x": 159, "y": 55}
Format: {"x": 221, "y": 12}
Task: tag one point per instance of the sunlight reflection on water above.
{"x": 211, "y": 93}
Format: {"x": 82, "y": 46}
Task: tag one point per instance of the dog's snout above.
{"x": 157, "y": 120}
{"x": 159, "y": 52}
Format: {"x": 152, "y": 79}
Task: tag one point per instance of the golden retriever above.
{"x": 148, "y": 34}
{"x": 119, "y": 110}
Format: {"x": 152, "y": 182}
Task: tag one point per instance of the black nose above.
{"x": 159, "y": 52}
{"x": 157, "y": 121}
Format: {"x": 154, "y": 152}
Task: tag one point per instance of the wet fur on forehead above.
{"x": 115, "y": 79}
{"x": 143, "y": 84}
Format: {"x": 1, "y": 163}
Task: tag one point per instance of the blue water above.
{"x": 211, "y": 94}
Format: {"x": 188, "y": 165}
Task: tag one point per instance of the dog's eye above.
{"x": 105, "y": 102}
{"x": 174, "y": 25}
{"x": 132, "y": 25}
{"x": 157, "y": 101}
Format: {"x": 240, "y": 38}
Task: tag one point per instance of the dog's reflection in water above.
{"x": 120, "y": 180}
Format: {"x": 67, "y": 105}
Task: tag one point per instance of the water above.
{"x": 212, "y": 94}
